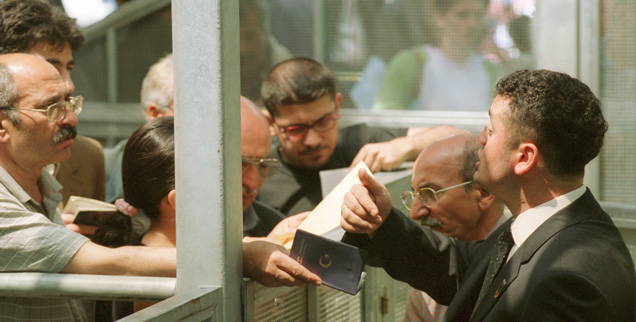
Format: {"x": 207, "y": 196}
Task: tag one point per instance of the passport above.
{"x": 340, "y": 266}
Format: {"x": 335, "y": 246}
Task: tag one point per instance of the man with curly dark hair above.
{"x": 38, "y": 28}
{"x": 561, "y": 257}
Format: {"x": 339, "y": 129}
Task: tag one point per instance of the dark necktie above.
{"x": 497, "y": 261}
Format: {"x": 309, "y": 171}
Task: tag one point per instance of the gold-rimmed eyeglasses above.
{"x": 266, "y": 167}
{"x": 427, "y": 195}
{"x": 56, "y": 111}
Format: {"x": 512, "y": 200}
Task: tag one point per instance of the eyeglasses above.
{"x": 57, "y": 111}
{"x": 427, "y": 195}
{"x": 296, "y": 132}
{"x": 267, "y": 167}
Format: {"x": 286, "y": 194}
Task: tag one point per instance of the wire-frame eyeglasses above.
{"x": 427, "y": 195}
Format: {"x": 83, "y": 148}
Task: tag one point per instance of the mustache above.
{"x": 65, "y": 133}
{"x": 310, "y": 150}
{"x": 431, "y": 222}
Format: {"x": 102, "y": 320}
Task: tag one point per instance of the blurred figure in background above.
{"x": 450, "y": 77}
{"x": 521, "y": 56}
{"x": 259, "y": 49}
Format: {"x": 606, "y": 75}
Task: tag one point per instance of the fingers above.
{"x": 67, "y": 218}
{"x": 359, "y": 212}
{"x": 291, "y": 273}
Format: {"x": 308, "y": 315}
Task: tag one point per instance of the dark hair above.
{"x": 470, "y": 160}
{"x": 559, "y": 113}
{"x": 23, "y": 23}
{"x": 296, "y": 81}
{"x": 147, "y": 176}
{"x": 8, "y": 95}
{"x": 443, "y": 6}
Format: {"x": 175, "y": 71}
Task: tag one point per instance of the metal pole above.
{"x": 207, "y": 139}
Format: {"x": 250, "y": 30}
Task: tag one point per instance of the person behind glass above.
{"x": 444, "y": 198}
{"x": 258, "y": 48}
{"x": 38, "y": 28}
{"x": 560, "y": 258}
{"x": 451, "y": 76}
{"x": 303, "y": 111}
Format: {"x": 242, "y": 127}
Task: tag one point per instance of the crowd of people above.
{"x": 558, "y": 257}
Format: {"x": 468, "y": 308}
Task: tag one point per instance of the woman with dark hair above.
{"x": 149, "y": 185}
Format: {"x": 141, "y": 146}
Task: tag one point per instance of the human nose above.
{"x": 69, "y": 117}
{"x": 66, "y": 77}
{"x": 482, "y": 137}
{"x": 419, "y": 210}
{"x": 250, "y": 176}
{"x": 312, "y": 138}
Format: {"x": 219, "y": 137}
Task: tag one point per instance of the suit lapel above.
{"x": 574, "y": 213}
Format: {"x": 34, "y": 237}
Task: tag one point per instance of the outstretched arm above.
{"x": 386, "y": 156}
{"x": 269, "y": 264}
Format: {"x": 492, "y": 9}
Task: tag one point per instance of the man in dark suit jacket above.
{"x": 568, "y": 261}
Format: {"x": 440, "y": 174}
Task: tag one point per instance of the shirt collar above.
{"x": 49, "y": 188}
{"x": 528, "y": 221}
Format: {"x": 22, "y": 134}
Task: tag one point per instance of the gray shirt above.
{"x": 33, "y": 238}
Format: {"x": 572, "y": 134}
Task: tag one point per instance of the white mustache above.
{"x": 431, "y": 222}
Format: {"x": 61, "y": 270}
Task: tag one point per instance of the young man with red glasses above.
{"x": 304, "y": 108}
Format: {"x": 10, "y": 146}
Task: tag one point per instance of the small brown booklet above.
{"x": 87, "y": 210}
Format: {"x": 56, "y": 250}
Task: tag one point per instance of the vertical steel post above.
{"x": 207, "y": 139}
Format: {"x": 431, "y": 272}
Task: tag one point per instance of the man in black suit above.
{"x": 568, "y": 260}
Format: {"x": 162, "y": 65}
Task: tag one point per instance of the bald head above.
{"x": 24, "y": 74}
{"x": 466, "y": 212}
{"x": 459, "y": 153}
{"x": 256, "y": 143}
{"x": 20, "y": 64}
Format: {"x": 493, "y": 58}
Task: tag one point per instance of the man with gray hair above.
{"x": 35, "y": 116}
{"x": 38, "y": 28}
{"x": 157, "y": 97}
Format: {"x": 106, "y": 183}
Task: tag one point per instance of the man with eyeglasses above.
{"x": 38, "y": 28}
{"x": 560, "y": 258}
{"x": 158, "y": 100}
{"x": 444, "y": 198}
{"x": 256, "y": 146}
{"x": 33, "y": 237}
{"x": 304, "y": 108}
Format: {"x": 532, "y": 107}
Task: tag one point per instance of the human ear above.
{"x": 270, "y": 120}
{"x": 4, "y": 133}
{"x": 152, "y": 111}
{"x": 527, "y": 156}
{"x": 484, "y": 199}
{"x": 172, "y": 199}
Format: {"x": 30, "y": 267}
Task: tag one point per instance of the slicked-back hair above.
{"x": 147, "y": 176}
{"x": 296, "y": 81}
{"x": 148, "y": 165}
{"x": 8, "y": 95}
{"x": 158, "y": 86}
{"x": 557, "y": 112}
{"x": 24, "y": 23}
